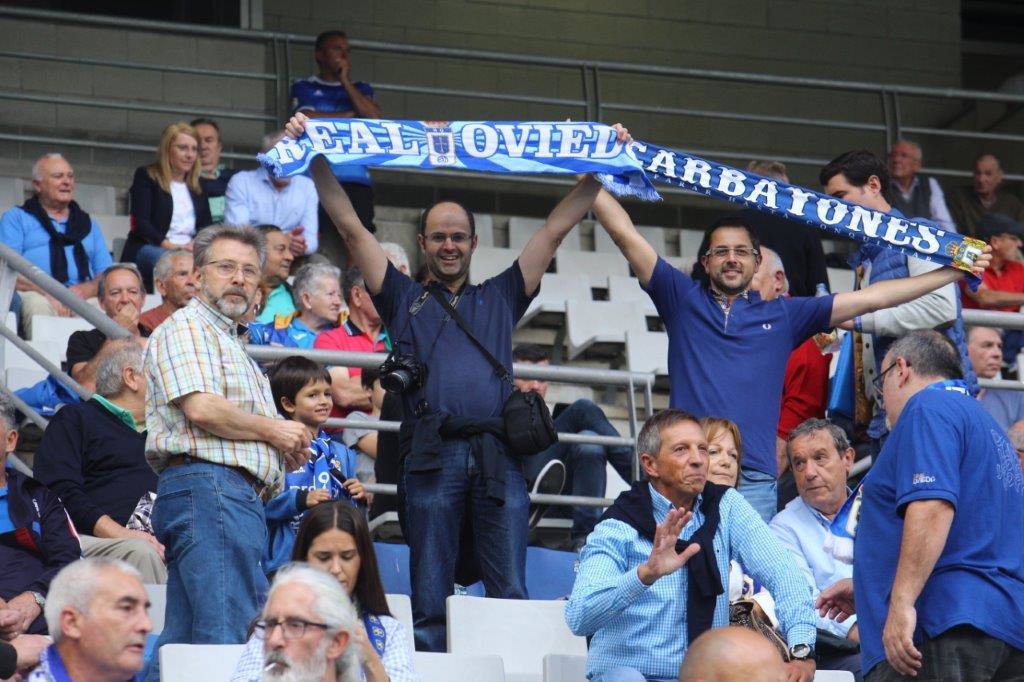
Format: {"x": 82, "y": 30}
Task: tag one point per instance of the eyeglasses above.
{"x": 456, "y": 237}
{"x": 720, "y": 252}
{"x": 228, "y": 268}
{"x": 876, "y": 384}
{"x": 291, "y": 628}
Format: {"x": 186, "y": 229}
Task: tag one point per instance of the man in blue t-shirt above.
{"x": 727, "y": 347}
{"x": 938, "y": 569}
{"x": 457, "y": 471}
{"x": 332, "y": 93}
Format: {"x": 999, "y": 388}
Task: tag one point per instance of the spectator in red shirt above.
{"x": 362, "y": 332}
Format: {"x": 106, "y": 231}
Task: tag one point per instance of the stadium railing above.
{"x": 893, "y": 98}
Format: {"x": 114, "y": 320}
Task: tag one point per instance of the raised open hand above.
{"x": 664, "y": 559}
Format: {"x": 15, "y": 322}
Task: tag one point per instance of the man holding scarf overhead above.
{"x": 53, "y": 232}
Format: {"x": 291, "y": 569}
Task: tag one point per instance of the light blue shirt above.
{"x": 802, "y": 530}
{"x": 253, "y": 200}
{"x": 644, "y": 627}
{"x": 23, "y": 233}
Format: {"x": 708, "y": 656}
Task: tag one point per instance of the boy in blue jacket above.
{"x": 302, "y": 392}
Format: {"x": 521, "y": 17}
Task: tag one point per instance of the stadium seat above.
{"x": 554, "y": 291}
{"x": 591, "y": 322}
{"x": 613, "y": 482}
{"x": 521, "y": 229}
{"x": 833, "y": 676}
{"x": 488, "y": 262}
{"x": 157, "y": 606}
{"x": 191, "y": 662}
{"x": 23, "y": 377}
{"x": 647, "y": 351}
{"x": 628, "y": 290}
{"x": 434, "y": 667}
{"x": 393, "y": 562}
{"x": 96, "y": 199}
{"x": 12, "y": 356}
{"x": 57, "y": 329}
{"x": 597, "y": 266}
{"x": 116, "y": 247}
{"x": 655, "y": 236}
{"x": 841, "y": 280}
{"x": 550, "y": 573}
{"x": 401, "y": 610}
{"x": 563, "y": 668}
{"x": 152, "y": 301}
{"x": 12, "y": 192}
{"x": 689, "y": 242}
{"x": 522, "y": 632}
{"x": 115, "y": 228}
{"x": 484, "y": 224}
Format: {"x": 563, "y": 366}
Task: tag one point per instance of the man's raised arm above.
{"x": 613, "y": 218}
{"x": 362, "y": 246}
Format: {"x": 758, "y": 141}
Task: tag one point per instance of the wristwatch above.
{"x": 40, "y": 600}
{"x": 802, "y": 652}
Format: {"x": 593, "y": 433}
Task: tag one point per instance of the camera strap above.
{"x": 499, "y": 368}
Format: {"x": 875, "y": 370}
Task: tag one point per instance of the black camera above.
{"x": 402, "y": 373}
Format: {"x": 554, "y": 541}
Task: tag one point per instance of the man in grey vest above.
{"x": 913, "y": 192}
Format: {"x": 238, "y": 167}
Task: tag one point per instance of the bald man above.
{"x": 732, "y": 654}
{"x": 985, "y": 195}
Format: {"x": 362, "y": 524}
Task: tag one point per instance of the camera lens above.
{"x": 396, "y": 381}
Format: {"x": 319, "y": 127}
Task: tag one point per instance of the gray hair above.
{"x": 37, "y": 167}
{"x": 243, "y": 234}
{"x": 929, "y": 353}
{"x": 649, "y": 440}
{"x": 396, "y": 254}
{"x": 113, "y": 361}
{"x": 7, "y": 419}
{"x": 163, "y": 267}
{"x": 913, "y": 145}
{"x": 333, "y": 607}
{"x": 101, "y": 281}
{"x": 308, "y": 277}
{"x": 812, "y": 426}
{"x": 74, "y": 586}
{"x": 771, "y": 258}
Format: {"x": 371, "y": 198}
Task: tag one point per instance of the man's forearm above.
{"x": 538, "y": 252}
{"x": 348, "y": 392}
{"x": 222, "y": 418}
{"x": 613, "y": 218}
{"x": 106, "y": 527}
{"x": 361, "y": 104}
{"x": 23, "y": 283}
{"x": 996, "y": 298}
{"x": 889, "y": 293}
{"x": 926, "y": 525}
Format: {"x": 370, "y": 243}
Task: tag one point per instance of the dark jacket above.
{"x": 42, "y": 542}
{"x": 151, "y": 210}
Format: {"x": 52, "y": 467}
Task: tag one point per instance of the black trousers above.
{"x": 331, "y": 246}
{"x": 960, "y": 654}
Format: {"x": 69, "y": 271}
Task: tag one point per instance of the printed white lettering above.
{"x": 543, "y": 141}
{"x": 694, "y": 167}
{"x": 895, "y": 232}
{"x": 864, "y": 220}
{"x": 800, "y": 198}
{"x": 469, "y": 140}
{"x": 767, "y": 189}
{"x": 839, "y": 211}
{"x": 927, "y": 242}
{"x": 731, "y": 182}
{"x": 665, "y": 162}
{"x": 398, "y": 144}
{"x": 606, "y": 146}
{"x": 574, "y": 137}
{"x": 516, "y": 146}
{"x": 321, "y": 134}
{"x": 363, "y": 140}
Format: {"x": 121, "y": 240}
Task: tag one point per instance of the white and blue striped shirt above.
{"x": 645, "y": 628}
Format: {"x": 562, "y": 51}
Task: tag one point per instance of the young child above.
{"x": 302, "y": 392}
{"x": 364, "y": 441}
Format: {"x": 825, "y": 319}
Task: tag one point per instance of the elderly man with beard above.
{"x": 728, "y": 347}
{"x": 308, "y": 627}
{"x": 218, "y": 446}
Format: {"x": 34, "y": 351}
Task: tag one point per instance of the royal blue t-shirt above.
{"x": 320, "y": 96}
{"x": 733, "y": 364}
{"x": 944, "y": 446}
{"x": 459, "y": 379}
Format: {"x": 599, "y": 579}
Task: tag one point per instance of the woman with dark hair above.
{"x": 334, "y": 537}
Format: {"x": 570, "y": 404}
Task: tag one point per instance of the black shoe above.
{"x": 550, "y": 481}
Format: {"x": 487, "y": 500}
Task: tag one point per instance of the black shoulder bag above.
{"x": 528, "y": 424}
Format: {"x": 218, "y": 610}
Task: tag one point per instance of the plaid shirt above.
{"x": 197, "y": 350}
{"x": 644, "y": 627}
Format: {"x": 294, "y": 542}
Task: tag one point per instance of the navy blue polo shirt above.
{"x": 459, "y": 379}
{"x": 732, "y": 364}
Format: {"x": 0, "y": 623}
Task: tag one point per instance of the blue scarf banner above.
{"x": 529, "y": 147}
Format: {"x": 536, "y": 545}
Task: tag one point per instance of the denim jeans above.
{"x": 213, "y": 529}
{"x": 436, "y": 504}
{"x": 960, "y": 654}
{"x": 760, "y": 490}
{"x": 585, "y": 470}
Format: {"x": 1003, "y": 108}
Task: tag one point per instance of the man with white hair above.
{"x": 911, "y": 191}
{"x": 174, "y": 279}
{"x": 55, "y": 234}
{"x": 93, "y": 454}
{"x": 317, "y": 295}
{"x": 254, "y": 197}
{"x": 98, "y": 617}
{"x": 308, "y": 627}
{"x": 985, "y": 350}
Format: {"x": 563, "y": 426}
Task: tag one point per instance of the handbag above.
{"x": 747, "y": 613}
{"x": 529, "y": 428}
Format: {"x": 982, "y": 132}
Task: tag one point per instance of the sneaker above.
{"x": 550, "y": 481}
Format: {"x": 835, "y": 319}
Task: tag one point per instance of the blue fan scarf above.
{"x": 529, "y": 147}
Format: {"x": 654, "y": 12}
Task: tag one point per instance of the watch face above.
{"x": 800, "y": 651}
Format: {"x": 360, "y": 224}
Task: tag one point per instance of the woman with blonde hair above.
{"x": 725, "y": 450}
{"x": 166, "y": 203}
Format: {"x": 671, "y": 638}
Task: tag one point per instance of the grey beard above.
{"x": 311, "y": 670}
{"x": 232, "y": 310}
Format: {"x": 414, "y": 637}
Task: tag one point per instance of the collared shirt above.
{"x": 349, "y": 337}
{"x": 937, "y": 209}
{"x": 314, "y": 94}
{"x": 644, "y": 627}
{"x": 731, "y": 361}
{"x": 22, "y": 232}
{"x": 197, "y": 350}
{"x": 252, "y": 199}
{"x": 1008, "y": 278}
{"x": 125, "y": 416}
{"x": 802, "y": 529}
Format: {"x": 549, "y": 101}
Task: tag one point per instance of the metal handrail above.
{"x": 24, "y": 407}
{"x": 993, "y": 318}
{"x": 141, "y": 66}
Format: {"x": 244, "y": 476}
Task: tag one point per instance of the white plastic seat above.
{"x": 489, "y": 261}
{"x": 191, "y": 662}
{"x": 655, "y": 236}
{"x": 23, "y": 377}
{"x": 628, "y": 290}
{"x": 484, "y": 224}
{"x": 12, "y": 356}
{"x": 57, "y": 329}
{"x": 841, "y": 280}
{"x": 596, "y": 266}
{"x": 157, "y": 606}
{"x": 114, "y": 228}
{"x": 521, "y": 229}
{"x": 689, "y": 242}
{"x": 590, "y": 322}
{"x": 555, "y": 290}
{"x": 522, "y": 632}
{"x": 441, "y": 667}
{"x": 12, "y": 192}
{"x": 682, "y": 263}
{"x": 833, "y": 676}
{"x": 96, "y": 199}
{"x": 565, "y": 668}
{"x": 152, "y": 301}
{"x": 647, "y": 352}
{"x": 401, "y": 610}
{"x": 613, "y": 482}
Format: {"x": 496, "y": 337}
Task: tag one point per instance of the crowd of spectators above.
{"x": 193, "y": 465}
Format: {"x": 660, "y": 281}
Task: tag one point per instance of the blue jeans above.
{"x": 760, "y": 490}
{"x": 213, "y": 529}
{"x": 436, "y": 505}
{"x": 146, "y": 258}
{"x": 585, "y": 470}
